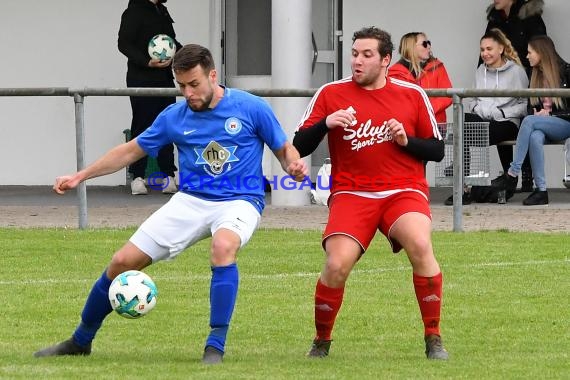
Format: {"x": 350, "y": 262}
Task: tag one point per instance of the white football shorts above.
{"x": 185, "y": 220}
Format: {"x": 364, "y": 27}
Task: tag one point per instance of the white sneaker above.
{"x": 170, "y": 187}
{"x": 138, "y": 187}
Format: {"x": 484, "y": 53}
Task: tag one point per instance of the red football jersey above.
{"x": 363, "y": 155}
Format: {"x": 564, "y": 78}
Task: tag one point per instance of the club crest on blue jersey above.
{"x": 214, "y": 156}
{"x": 233, "y": 126}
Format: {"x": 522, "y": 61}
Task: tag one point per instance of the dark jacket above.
{"x": 524, "y": 21}
{"x": 563, "y": 113}
{"x": 141, "y": 21}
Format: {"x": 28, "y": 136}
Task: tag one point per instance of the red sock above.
{"x": 327, "y": 304}
{"x": 429, "y": 291}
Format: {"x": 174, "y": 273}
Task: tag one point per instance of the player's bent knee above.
{"x": 223, "y": 251}
{"x": 336, "y": 272}
{"x": 127, "y": 259}
{"x": 419, "y": 248}
{"x": 423, "y": 245}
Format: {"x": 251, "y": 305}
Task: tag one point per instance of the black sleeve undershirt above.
{"x": 426, "y": 149}
{"x": 306, "y": 140}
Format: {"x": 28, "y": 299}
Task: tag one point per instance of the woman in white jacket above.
{"x": 501, "y": 69}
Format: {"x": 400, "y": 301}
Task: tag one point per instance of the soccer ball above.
{"x": 161, "y": 47}
{"x": 132, "y": 294}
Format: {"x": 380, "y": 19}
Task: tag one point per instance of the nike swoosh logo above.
{"x": 188, "y": 132}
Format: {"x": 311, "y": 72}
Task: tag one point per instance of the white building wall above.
{"x": 66, "y": 43}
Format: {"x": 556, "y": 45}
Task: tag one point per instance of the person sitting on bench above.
{"x": 549, "y": 121}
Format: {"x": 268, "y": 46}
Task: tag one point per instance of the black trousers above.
{"x": 499, "y": 131}
{"x": 145, "y": 109}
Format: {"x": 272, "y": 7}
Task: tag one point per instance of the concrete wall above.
{"x": 67, "y": 43}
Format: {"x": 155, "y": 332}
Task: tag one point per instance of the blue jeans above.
{"x": 533, "y": 132}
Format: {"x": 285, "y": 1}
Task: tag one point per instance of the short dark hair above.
{"x": 385, "y": 45}
{"x": 192, "y": 55}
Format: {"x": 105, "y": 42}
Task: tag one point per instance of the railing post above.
{"x": 457, "y": 163}
{"x": 80, "y": 152}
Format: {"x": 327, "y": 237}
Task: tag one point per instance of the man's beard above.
{"x": 205, "y": 105}
{"x": 363, "y": 81}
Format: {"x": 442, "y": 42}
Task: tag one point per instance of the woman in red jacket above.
{"x": 418, "y": 65}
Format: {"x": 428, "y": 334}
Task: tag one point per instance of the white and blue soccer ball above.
{"x": 161, "y": 47}
{"x": 133, "y": 294}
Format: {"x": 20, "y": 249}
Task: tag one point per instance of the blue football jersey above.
{"x": 220, "y": 150}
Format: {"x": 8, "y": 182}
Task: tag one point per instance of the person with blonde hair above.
{"x": 549, "y": 121}
{"x": 520, "y": 20}
{"x": 418, "y": 65}
{"x": 501, "y": 69}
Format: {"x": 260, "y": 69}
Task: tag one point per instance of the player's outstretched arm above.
{"x": 112, "y": 161}
{"x": 291, "y": 162}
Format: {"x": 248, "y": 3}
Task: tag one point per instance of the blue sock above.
{"x": 96, "y": 308}
{"x": 223, "y": 293}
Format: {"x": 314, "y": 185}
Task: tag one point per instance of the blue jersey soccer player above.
{"x": 219, "y": 133}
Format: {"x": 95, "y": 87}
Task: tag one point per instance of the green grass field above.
{"x": 506, "y": 310}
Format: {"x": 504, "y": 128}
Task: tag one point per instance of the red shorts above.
{"x": 359, "y": 217}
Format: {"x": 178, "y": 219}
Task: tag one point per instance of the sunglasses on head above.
{"x": 426, "y": 43}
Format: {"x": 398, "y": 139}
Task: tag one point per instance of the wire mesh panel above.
{"x": 476, "y": 163}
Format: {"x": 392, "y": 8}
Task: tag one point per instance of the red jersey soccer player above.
{"x": 380, "y": 132}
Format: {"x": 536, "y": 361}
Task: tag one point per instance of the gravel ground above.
{"x": 37, "y": 206}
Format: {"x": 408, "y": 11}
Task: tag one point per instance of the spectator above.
{"x": 142, "y": 20}
{"x": 519, "y": 20}
{"x": 501, "y": 69}
{"x": 418, "y": 65}
{"x": 550, "y": 118}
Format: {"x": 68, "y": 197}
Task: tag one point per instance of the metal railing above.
{"x": 457, "y": 95}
